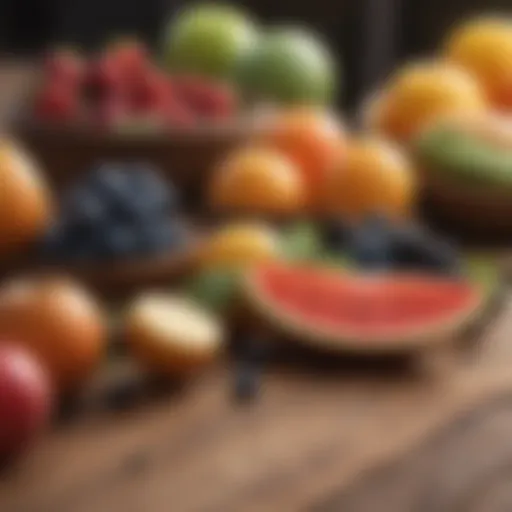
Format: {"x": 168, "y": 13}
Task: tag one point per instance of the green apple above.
{"x": 208, "y": 40}
{"x": 290, "y": 65}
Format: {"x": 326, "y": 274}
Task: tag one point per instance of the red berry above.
{"x": 103, "y": 79}
{"x": 110, "y": 112}
{"x": 57, "y": 102}
{"x": 206, "y": 99}
{"x": 64, "y": 65}
{"x": 218, "y": 102}
{"x": 130, "y": 56}
{"x": 179, "y": 115}
{"x": 150, "y": 93}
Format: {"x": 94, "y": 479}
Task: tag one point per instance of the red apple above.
{"x": 25, "y": 399}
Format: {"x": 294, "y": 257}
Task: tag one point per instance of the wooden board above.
{"x": 306, "y": 444}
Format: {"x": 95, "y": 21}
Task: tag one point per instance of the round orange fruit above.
{"x": 257, "y": 180}
{"x": 423, "y": 92}
{"x": 240, "y": 244}
{"x": 484, "y": 47}
{"x": 375, "y": 177}
{"x": 312, "y": 139}
{"x": 59, "y": 322}
{"x": 25, "y": 205}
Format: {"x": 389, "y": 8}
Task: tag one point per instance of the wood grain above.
{"x": 309, "y": 437}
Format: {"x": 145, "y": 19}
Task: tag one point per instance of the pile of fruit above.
{"x": 305, "y": 164}
{"x": 215, "y": 60}
{"x": 471, "y": 76}
{"x": 122, "y": 88}
{"x": 347, "y": 239}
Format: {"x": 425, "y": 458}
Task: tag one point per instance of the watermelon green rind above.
{"x": 426, "y": 334}
{"x": 469, "y": 158}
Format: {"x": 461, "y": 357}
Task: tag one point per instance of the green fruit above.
{"x": 214, "y": 289}
{"x": 290, "y": 66}
{"x": 208, "y": 40}
{"x": 472, "y": 158}
{"x": 302, "y": 242}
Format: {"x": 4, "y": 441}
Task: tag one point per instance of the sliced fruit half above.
{"x": 339, "y": 310}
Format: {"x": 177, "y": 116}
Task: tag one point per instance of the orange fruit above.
{"x": 59, "y": 322}
{"x": 172, "y": 335}
{"x": 312, "y": 138}
{"x": 375, "y": 177}
{"x": 484, "y": 47}
{"x": 240, "y": 244}
{"x": 257, "y": 179}
{"x": 25, "y": 203}
{"x": 423, "y": 92}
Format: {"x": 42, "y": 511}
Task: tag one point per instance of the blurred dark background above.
{"x": 368, "y": 35}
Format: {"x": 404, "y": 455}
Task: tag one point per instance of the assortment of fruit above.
{"x": 215, "y": 60}
{"x": 471, "y": 76}
{"x": 325, "y": 280}
{"x": 283, "y": 65}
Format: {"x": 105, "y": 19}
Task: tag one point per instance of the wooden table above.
{"x": 331, "y": 436}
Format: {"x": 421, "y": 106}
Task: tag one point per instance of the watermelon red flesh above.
{"x": 364, "y": 307}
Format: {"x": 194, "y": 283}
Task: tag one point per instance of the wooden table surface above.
{"x": 432, "y": 436}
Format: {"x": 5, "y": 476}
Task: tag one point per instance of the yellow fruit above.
{"x": 422, "y": 93}
{"x": 172, "y": 335}
{"x": 484, "y": 47}
{"x": 374, "y": 178}
{"x": 258, "y": 180}
{"x": 240, "y": 244}
{"x": 25, "y": 205}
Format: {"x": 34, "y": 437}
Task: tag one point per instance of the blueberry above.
{"x": 118, "y": 241}
{"x": 371, "y": 244}
{"x": 84, "y": 206}
{"x": 161, "y": 236}
{"x": 335, "y": 233}
{"x": 159, "y": 196}
{"x": 107, "y": 178}
{"x": 416, "y": 248}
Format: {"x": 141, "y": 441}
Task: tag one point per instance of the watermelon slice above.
{"x": 343, "y": 310}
